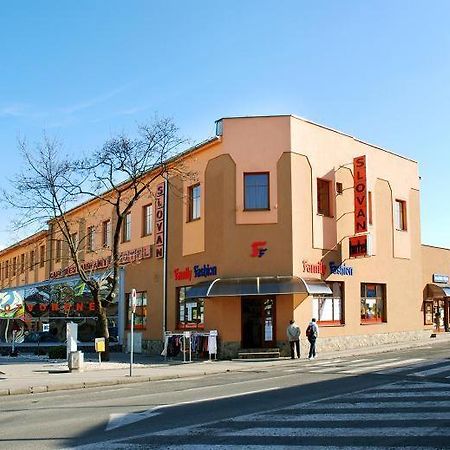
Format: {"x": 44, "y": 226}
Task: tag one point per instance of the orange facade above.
{"x": 272, "y": 205}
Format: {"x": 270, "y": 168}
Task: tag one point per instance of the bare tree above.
{"x": 118, "y": 175}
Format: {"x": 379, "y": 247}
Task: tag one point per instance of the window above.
{"x": 140, "y": 316}
{"x": 91, "y": 239}
{"x": 42, "y": 256}
{"x": 190, "y": 311}
{"x": 339, "y": 188}
{"x": 147, "y": 224}
{"x": 7, "y": 269}
{"x": 126, "y": 230}
{"x": 373, "y": 303}
{"x": 22, "y": 263}
{"x": 74, "y": 240}
{"x": 32, "y": 262}
{"x": 428, "y": 313}
{"x": 58, "y": 255}
{"x": 106, "y": 233}
{"x": 330, "y": 310}
{"x": 323, "y": 197}
{"x": 400, "y": 215}
{"x": 256, "y": 191}
{"x": 194, "y": 202}
{"x": 369, "y": 205}
{"x": 14, "y": 267}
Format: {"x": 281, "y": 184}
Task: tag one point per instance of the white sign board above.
{"x": 72, "y": 337}
{"x": 45, "y": 327}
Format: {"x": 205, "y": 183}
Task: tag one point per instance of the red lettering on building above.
{"x": 159, "y": 221}
{"x": 360, "y": 200}
{"x": 318, "y": 268}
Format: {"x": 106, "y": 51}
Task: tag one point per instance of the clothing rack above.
{"x": 186, "y": 339}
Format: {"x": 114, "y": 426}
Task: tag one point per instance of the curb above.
{"x": 38, "y": 389}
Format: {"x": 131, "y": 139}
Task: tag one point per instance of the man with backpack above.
{"x": 312, "y": 332}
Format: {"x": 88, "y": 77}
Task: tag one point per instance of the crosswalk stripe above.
{"x": 340, "y": 432}
{"x": 435, "y": 371}
{"x": 377, "y": 405}
{"x": 414, "y": 367}
{"x": 405, "y": 393}
{"x": 360, "y": 367}
{"x": 419, "y": 385}
{"x": 122, "y": 446}
{"x": 377, "y": 366}
{"x": 345, "y": 417}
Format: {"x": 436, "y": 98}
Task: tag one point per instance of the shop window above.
{"x": 140, "y": 316}
{"x": 126, "y": 228}
{"x": 428, "y": 313}
{"x": 194, "y": 202}
{"x": 147, "y": 216}
{"x": 373, "y": 303}
{"x": 42, "y": 256}
{"x": 91, "y": 239}
{"x": 400, "y": 215}
{"x": 256, "y": 191}
{"x": 190, "y": 311}
{"x": 330, "y": 310}
{"x": 323, "y": 197}
{"x": 106, "y": 233}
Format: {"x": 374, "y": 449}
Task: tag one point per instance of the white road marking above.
{"x": 293, "y": 417}
{"x": 120, "y": 420}
{"x": 415, "y": 366}
{"x": 340, "y": 432}
{"x": 425, "y": 373}
{"x": 379, "y": 405}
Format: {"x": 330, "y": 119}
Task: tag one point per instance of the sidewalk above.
{"x": 28, "y": 374}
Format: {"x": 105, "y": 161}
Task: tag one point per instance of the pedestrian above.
{"x": 312, "y": 332}
{"x": 293, "y": 334}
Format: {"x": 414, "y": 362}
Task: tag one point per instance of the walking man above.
{"x": 293, "y": 334}
{"x": 312, "y": 332}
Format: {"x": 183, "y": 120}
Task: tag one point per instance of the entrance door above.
{"x": 258, "y": 322}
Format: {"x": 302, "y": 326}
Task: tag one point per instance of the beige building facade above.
{"x": 265, "y": 233}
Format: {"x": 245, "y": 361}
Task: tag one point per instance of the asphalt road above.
{"x": 389, "y": 400}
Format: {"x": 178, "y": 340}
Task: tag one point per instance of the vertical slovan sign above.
{"x": 159, "y": 221}
{"x": 360, "y": 182}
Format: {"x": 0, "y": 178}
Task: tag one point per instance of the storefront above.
{"x": 38, "y": 313}
{"x": 436, "y": 304}
{"x": 261, "y": 300}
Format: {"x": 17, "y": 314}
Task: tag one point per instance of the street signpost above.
{"x": 100, "y": 347}
{"x": 133, "y": 310}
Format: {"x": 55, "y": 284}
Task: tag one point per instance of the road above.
{"x": 389, "y": 400}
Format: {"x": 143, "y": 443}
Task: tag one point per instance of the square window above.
{"x": 256, "y": 191}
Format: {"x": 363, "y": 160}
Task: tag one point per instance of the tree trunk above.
{"x": 102, "y": 327}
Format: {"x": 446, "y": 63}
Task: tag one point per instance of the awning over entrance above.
{"x": 439, "y": 290}
{"x": 235, "y": 287}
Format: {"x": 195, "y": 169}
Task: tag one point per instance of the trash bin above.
{"x": 76, "y": 361}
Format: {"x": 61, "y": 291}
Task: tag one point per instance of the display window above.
{"x": 190, "y": 311}
{"x": 329, "y": 310}
{"x": 428, "y": 313}
{"x": 373, "y": 303}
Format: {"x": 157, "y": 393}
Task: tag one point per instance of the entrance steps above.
{"x": 259, "y": 353}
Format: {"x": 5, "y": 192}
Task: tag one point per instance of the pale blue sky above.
{"x": 83, "y": 70}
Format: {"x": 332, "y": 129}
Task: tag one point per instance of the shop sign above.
{"x": 67, "y": 307}
{"x": 340, "y": 269}
{"x": 360, "y": 188}
{"x": 318, "y": 268}
{"x": 358, "y": 246}
{"x": 126, "y": 257}
{"x": 159, "y": 221}
{"x": 188, "y": 273}
{"x": 438, "y": 278}
{"x": 259, "y": 249}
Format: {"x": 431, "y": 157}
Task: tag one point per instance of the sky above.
{"x": 82, "y": 71}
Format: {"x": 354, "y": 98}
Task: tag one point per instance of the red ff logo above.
{"x": 258, "y": 249}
